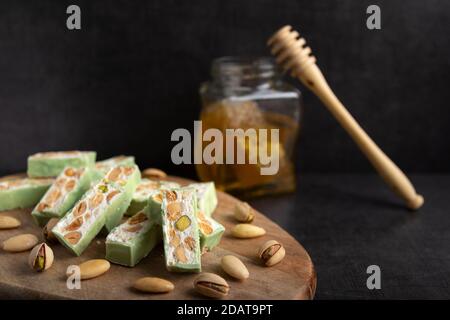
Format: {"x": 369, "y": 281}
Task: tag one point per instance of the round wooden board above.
{"x": 293, "y": 278}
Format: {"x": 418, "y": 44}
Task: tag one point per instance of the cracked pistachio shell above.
{"x": 271, "y": 253}
{"x": 41, "y": 257}
{"x": 211, "y": 285}
{"x": 47, "y": 231}
{"x": 243, "y": 212}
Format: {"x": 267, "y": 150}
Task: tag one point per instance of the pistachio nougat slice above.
{"x": 130, "y": 242}
{"x": 206, "y": 197}
{"x": 180, "y": 230}
{"x": 50, "y": 164}
{"x": 40, "y": 219}
{"x": 127, "y": 178}
{"x": 67, "y": 189}
{"x": 210, "y": 231}
{"x": 84, "y": 221}
{"x": 145, "y": 189}
{"x": 22, "y": 192}
{"x": 102, "y": 167}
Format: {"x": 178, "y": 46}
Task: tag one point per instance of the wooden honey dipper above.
{"x": 293, "y": 55}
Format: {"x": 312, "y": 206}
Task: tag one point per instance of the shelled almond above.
{"x": 8, "y": 222}
{"x": 234, "y": 267}
{"x": 247, "y": 231}
{"x": 153, "y": 285}
{"x": 20, "y": 243}
{"x": 93, "y": 268}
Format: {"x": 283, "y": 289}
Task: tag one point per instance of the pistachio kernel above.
{"x": 103, "y": 188}
{"x": 183, "y": 223}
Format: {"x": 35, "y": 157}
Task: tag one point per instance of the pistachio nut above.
{"x": 243, "y": 212}
{"x": 41, "y": 257}
{"x": 47, "y": 231}
{"x": 234, "y": 267}
{"x": 211, "y": 285}
{"x": 8, "y": 222}
{"x": 271, "y": 252}
{"x": 153, "y": 285}
{"x": 20, "y": 243}
{"x": 183, "y": 223}
{"x": 154, "y": 173}
{"x": 246, "y": 231}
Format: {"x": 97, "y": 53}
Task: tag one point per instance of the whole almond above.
{"x": 154, "y": 173}
{"x": 93, "y": 268}
{"x": 47, "y": 231}
{"x": 271, "y": 253}
{"x": 211, "y": 285}
{"x": 234, "y": 267}
{"x": 246, "y": 231}
{"x": 153, "y": 285}
{"x": 243, "y": 212}
{"x": 20, "y": 243}
{"x": 7, "y": 222}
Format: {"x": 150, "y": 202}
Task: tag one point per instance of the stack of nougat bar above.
{"x": 88, "y": 197}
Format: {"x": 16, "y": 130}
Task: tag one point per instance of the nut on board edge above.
{"x": 243, "y": 212}
{"x": 271, "y": 253}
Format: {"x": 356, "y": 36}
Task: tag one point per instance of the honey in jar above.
{"x": 248, "y": 94}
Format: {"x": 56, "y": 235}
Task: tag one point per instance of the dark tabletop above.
{"x": 348, "y": 222}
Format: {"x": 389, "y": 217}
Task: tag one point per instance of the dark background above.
{"x": 125, "y": 81}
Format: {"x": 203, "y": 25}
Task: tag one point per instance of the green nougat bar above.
{"x": 22, "y": 192}
{"x": 127, "y": 177}
{"x": 206, "y": 197}
{"x": 84, "y": 221}
{"x": 40, "y": 219}
{"x": 180, "y": 230}
{"x": 145, "y": 189}
{"x": 67, "y": 189}
{"x": 210, "y": 232}
{"x": 102, "y": 167}
{"x": 130, "y": 242}
{"x": 50, "y": 164}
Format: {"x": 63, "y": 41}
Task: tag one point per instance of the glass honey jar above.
{"x": 248, "y": 102}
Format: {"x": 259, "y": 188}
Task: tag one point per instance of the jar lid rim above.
{"x": 245, "y": 61}
{"x": 264, "y": 66}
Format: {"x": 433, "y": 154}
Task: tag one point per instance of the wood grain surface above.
{"x": 293, "y": 278}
